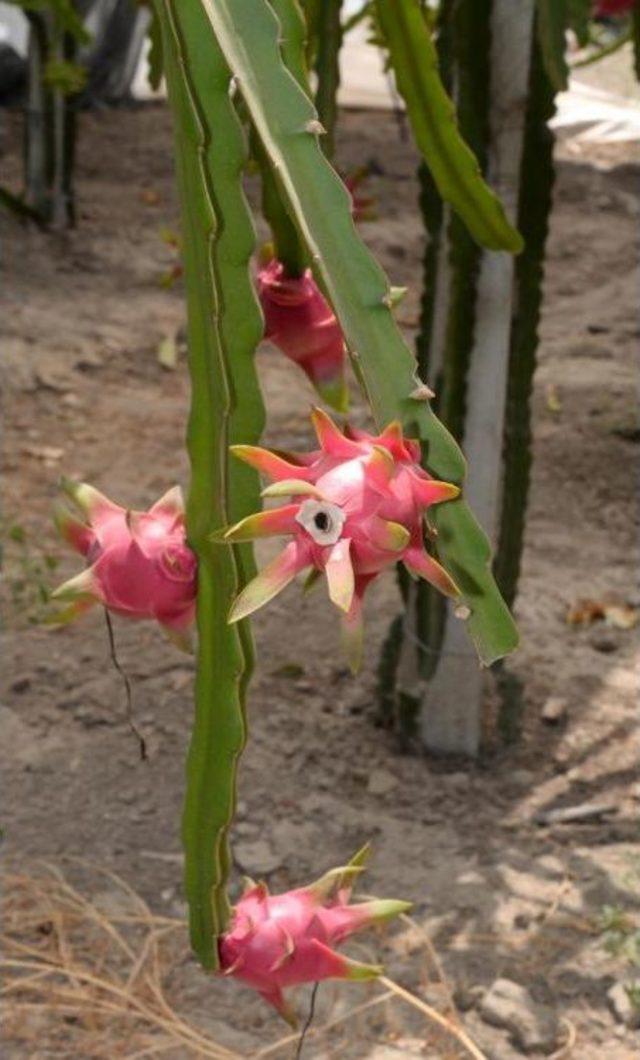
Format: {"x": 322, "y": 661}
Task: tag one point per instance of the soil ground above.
{"x": 498, "y": 894}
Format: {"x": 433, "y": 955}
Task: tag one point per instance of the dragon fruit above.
{"x": 604, "y": 8}
{"x": 362, "y": 206}
{"x": 299, "y": 321}
{"x": 284, "y": 940}
{"x": 357, "y": 507}
{"x": 139, "y": 564}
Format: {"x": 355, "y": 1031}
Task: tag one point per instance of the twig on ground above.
{"x": 435, "y": 1017}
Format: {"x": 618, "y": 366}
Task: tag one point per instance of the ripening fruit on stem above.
{"x": 357, "y": 506}
{"x": 603, "y": 8}
{"x": 362, "y": 205}
{"x": 300, "y": 322}
{"x": 139, "y": 563}
{"x": 284, "y": 940}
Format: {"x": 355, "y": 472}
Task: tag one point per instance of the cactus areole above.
{"x": 285, "y": 940}
{"x": 139, "y": 564}
{"x": 357, "y": 507}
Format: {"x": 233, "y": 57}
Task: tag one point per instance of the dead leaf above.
{"x": 554, "y": 403}
{"x": 585, "y": 612}
{"x": 49, "y": 453}
{"x": 167, "y": 352}
{"x": 619, "y": 615}
{"x": 150, "y": 197}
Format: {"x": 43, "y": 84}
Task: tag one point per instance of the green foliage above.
{"x": 224, "y": 328}
{"x": 285, "y": 120}
{"x": 432, "y": 116}
{"x": 635, "y": 36}
{"x": 154, "y": 57}
{"x": 621, "y": 936}
{"x": 27, "y": 572}
{"x": 65, "y": 76}
{"x": 551, "y": 21}
{"x": 63, "y": 13}
{"x": 578, "y": 18}
{"x": 329, "y": 37}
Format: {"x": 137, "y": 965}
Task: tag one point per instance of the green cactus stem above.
{"x": 287, "y": 124}
{"x": 225, "y": 326}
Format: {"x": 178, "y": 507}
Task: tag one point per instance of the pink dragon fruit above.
{"x": 604, "y": 8}
{"x": 358, "y": 507}
{"x": 139, "y": 564}
{"x": 299, "y": 321}
{"x": 362, "y": 206}
{"x": 279, "y": 941}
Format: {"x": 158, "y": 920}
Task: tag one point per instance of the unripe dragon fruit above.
{"x": 358, "y": 507}
{"x": 139, "y": 564}
{"x": 284, "y": 940}
{"x": 300, "y": 322}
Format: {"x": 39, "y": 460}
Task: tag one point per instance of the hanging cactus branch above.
{"x": 432, "y": 116}
{"x": 285, "y": 120}
{"x": 224, "y": 328}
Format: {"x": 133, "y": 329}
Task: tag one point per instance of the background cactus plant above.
{"x": 478, "y": 45}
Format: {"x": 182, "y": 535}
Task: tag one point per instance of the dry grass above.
{"x": 92, "y": 978}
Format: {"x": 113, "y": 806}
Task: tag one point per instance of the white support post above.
{"x": 452, "y": 706}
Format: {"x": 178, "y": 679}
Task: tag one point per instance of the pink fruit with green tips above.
{"x": 357, "y": 507}
{"x": 138, "y": 563}
{"x": 285, "y": 940}
{"x": 300, "y": 322}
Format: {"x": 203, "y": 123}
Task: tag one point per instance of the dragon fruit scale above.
{"x": 300, "y": 322}
{"x": 279, "y": 941}
{"x": 357, "y": 506}
{"x": 138, "y": 563}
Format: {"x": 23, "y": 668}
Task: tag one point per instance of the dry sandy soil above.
{"x": 498, "y": 894}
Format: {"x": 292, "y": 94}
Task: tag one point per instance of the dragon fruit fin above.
{"x": 270, "y": 464}
{"x": 331, "y": 439}
{"x": 72, "y": 530}
{"x": 379, "y": 910}
{"x": 87, "y": 498}
{"x": 275, "y": 997}
{"x": 332, "y": 965}
{"x": 380, "y": 466}
{"x": 82, "y": 586}
{"x": 431, "y": 491}
{"x": 340, "y": 576}
{"x": 171, "y": 503}
{"x": 268, "y": 523}
{"x": 393, "y": 537}
{"x": 291, "y": 487}
{"x": 69, "y": 614}
{"x": 268, "y": 583}
{"x": 419, "y": 562}
{"x": 336, "y": 878}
